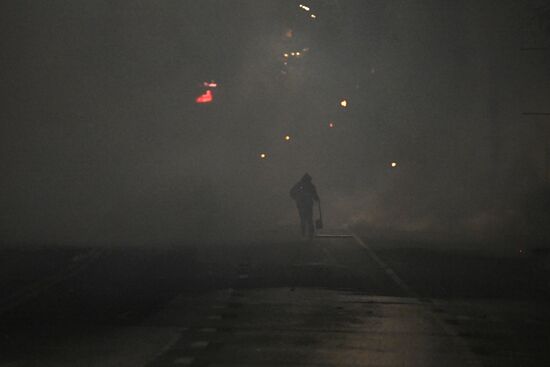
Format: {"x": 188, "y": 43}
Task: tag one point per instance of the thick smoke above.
{"x": 102, "y": 141}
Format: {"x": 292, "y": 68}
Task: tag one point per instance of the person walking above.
{"x": 305, "y": 193}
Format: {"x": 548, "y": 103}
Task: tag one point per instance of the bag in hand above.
{"x": 319, "y": 223}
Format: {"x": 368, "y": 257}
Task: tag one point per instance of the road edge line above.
{"x": 460, "y": 343}
{"x": 387, "y": 269}
{"x": 35, "y": 289}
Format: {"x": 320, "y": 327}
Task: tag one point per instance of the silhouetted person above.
{"x": 304, "y": 193}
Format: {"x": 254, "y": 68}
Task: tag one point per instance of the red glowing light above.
{"x": 205, "y": 98}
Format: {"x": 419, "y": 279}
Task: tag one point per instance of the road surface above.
{"x": 341, "y": 300}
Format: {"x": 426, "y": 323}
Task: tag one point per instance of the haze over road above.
{"x": 147, "y": 151}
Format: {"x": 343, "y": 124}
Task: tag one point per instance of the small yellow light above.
{"x": 263, "y": 155}
{"x": 285, "y": 54}
{"x": 394, "y": 164}
{"x": 343, "y": 103}
{"x": 287, "y": 137}
{"x": 297, "y": 53}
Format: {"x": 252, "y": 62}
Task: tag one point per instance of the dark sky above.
{"x": 102, "y": 141}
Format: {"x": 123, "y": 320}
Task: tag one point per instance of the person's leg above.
{"x": 311, "y": 228}
{"x": 308, "y": 214}
{"x": 304, "y": 226}
{"x": 302, "y": 221}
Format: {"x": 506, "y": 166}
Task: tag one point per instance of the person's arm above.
{"x": 315, "y": 195}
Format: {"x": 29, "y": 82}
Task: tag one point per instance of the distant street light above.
{"x": 287, "y": 137}
{"x": 263, "y": 155}
{"x": 210, "y": 84}
{"x": 344, "y": 103}
{"x": 393, "y": 164}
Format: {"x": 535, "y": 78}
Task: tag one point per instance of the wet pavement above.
{"x": 337, "y": 301}
{"x": 308, "y": 327}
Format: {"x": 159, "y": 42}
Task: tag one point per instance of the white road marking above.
{"x": 389, "y": 271}
{"x": 42, "y": 285}
{"x": 327, "y": 235}
{"x": 200, "y": 344}
{"x": 184, "y": 360}
{"x": 468, "y": 356}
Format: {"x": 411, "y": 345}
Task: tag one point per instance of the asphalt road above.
{"x": 336, "y": 301}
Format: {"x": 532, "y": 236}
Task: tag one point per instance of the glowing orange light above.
{"x": 344, "y": 103}
{"x": 205, "y": 98}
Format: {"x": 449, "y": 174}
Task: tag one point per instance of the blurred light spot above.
{"x": 287, "y": 137}
{"x": 313, "y": 16}
{"x": 263, "y": 155}
{"x": 205, "y": 98}
{"x": 393, "y": 164}
{"x": 331, "y": 125}
{"x": 298, "y": 53}
{"x": 289, "y": 33}
{"x": 306, "y": 8}
{"x": 211, "y": 84}
{"x": 285, "y": 54}
{"x": 293, "y": 53}
{"x": 344, "y": 103}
